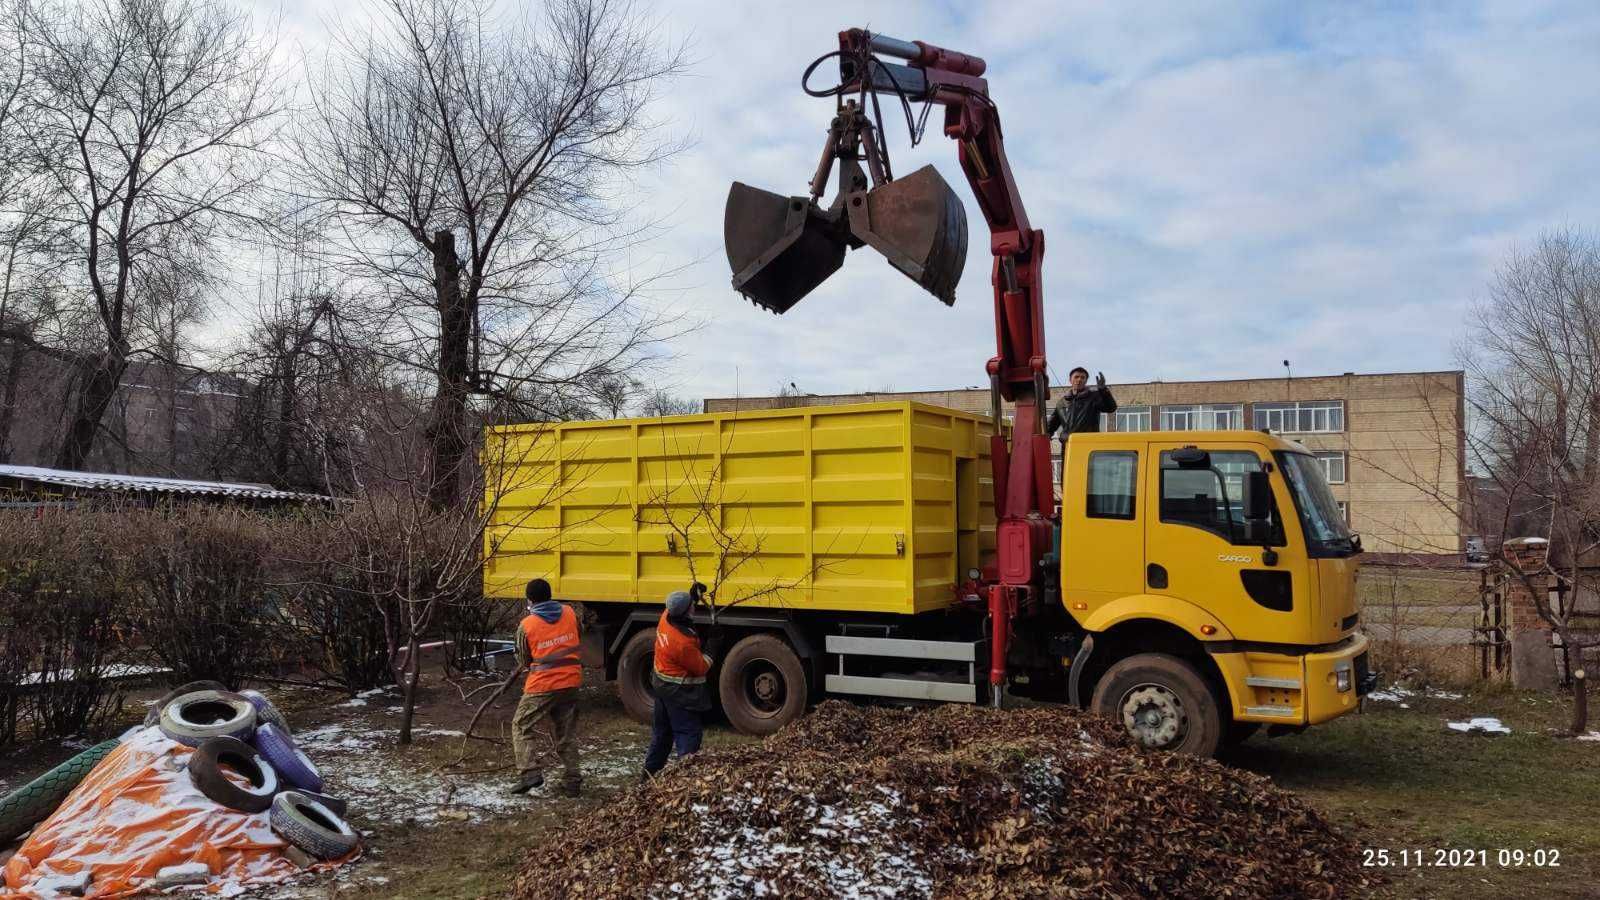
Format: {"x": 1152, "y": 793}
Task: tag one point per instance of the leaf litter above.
{"x": 958, "y": 801}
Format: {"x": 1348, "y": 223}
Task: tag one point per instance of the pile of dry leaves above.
{"x": 951, "y": 802}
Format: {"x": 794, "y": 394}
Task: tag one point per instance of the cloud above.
{"x": 1223, "y": 185}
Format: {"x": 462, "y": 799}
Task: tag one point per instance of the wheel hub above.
{"x": 1154, "y": 715}
{"x": 766, "y": 686}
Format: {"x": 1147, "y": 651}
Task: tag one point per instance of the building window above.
{"x": 1305, "y": 417}
{"x": 1127, "y": 418}
{"x": 1332, "y": 465}
{"x": 1112, "y": 478}
{"x": 1202, "y": 417}
{"x": 1344, "y": 511}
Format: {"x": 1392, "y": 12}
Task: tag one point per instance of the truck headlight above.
{"x": 1341, "y": 679}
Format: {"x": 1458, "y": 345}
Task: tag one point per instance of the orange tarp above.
{"x": 137, "y": 813}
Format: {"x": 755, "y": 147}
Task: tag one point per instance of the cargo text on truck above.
{"x": 1192, "y": 589}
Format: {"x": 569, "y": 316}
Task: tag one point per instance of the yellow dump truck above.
{"x": 1200, "y": 584}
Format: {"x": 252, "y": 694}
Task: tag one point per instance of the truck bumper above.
{"x": 1291, "y": 689}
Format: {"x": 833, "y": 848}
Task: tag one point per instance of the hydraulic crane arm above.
{"x": 780, "y": 248}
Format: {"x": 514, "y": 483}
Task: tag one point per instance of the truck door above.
{"x": 1102, "y": 550}
{"x": 1197, "y": 548}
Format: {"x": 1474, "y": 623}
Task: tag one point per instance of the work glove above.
{"x": 1100, "y": 379}
{"x": 715, "y": 642}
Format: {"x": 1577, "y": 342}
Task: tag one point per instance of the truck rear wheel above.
{"x": 1162, "y": 702}
{"x": 763, "y": 685}
{"x": 634, "y": 666}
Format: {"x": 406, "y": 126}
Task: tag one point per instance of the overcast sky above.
{"x": 1222, "y": 185}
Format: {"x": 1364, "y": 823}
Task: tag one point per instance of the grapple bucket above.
{"x": 780, "y": 248}
{"x": 920, "y": 225}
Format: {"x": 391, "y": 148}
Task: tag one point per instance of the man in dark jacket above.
{"x": 678, "y": 681}
{"x": 1080, "y": 407}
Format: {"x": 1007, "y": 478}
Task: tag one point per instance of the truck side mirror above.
{"x": 1257, "y": 499}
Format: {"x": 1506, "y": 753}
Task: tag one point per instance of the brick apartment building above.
{"x": 1393, "y": 445}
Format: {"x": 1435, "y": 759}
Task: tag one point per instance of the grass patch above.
{"x": 1400, "y": 779}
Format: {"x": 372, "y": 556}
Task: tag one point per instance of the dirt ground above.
{"x": 1396, "y": 776}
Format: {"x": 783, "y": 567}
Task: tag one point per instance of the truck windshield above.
{"x": 1326, "y": 531}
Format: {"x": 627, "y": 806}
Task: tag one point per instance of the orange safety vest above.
{"x": 678, "y": 657}
{"x": 553, "y": 653}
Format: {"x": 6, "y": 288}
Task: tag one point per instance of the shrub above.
{"x": 471, "y": 621}
{"x": 204, "y": 609}
{"x": 64, "y": 605}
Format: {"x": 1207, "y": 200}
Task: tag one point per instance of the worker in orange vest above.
{"x": 547, "y": 646}
{"x": 679, "y": 682}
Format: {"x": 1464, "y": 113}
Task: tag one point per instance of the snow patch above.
{"x": 859, "y": 852}
{"x": 1397, "y": 694}
{"x": 1483, "y": 724}
{"x": 1591, "y": 736}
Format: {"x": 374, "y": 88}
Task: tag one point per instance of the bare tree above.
{"x": 661, "y": 403}
{"x": 444, "y": 121}
{"x": 1534, "y": 363}
{"x": 146, "y": 125}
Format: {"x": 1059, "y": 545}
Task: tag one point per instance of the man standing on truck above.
{"x": 547, "y": 646}
{"x": 1080, "y": 407}
{"x": 679, "y": 682}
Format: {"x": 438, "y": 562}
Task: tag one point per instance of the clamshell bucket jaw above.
{"x": 919, "y": 225}
{"x": 781, "y": 248}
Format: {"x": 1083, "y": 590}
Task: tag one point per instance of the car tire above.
{"x": 312, "y": 826}
{"x": 634, "y": 665}
{"x": 336, "y": 805}
{"x": 196, "y": 717}
{"x": 266, "y": 713}
{"x": 1162, "y": 702}
{"x": 295, "y": 767}
{"x": 32, "y": 803}
{"x": 153, "y": 716}
{"x": 763, "y": 685}
{"x": 206, "y": 766}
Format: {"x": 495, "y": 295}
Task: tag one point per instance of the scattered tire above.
{"x": 337, "y": 805}
{"x": 154, "y": 714}
{"x": 193, "y": 718}
{"x": 1162, "y": 702}
{"x": 311, "y": 826}
{"x": 206, "y": 767}
{"x": 294, "y": 766}
{"x": 763, "y": 685}
{"x": 266, "y": 712}
{"x": 30, "y": 804}
{"x": 634, "y": 666}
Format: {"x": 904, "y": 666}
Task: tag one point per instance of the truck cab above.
{"x": 1212, "y": 576}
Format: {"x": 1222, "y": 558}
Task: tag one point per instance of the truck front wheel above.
{"x": 1162, "y": 702}
{"x": 634, "y": 665}
{"x": 763, "y": 684}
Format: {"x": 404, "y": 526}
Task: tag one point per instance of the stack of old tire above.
{"x": 244, "y": 759}
{"x": 243, "y": 732}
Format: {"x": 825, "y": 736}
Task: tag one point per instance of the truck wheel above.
{"x": 763, "y": 685}
{"x": 634, "y": 666}
{"x": 1162, "y": 702}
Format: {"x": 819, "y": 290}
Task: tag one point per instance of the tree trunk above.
{"x": 447, "y": 420}
{"x": 409, "y": 704}
{"x": 8, "y": 396}
{"x": 93, "y": 400}
{"x": 1580, "y": 702}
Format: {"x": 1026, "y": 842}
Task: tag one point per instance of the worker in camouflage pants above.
{"x": 547, "y": 646}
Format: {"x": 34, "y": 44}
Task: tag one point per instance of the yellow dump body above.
{"x": 871, "y": 507}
